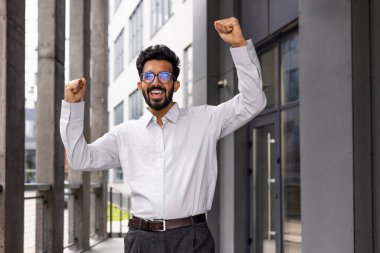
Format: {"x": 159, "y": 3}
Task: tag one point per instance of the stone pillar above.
{"x": 49, "y": 153}
{"x": 375, "y": 94}
{"x": 80, "y": 67}
{"x": 206, "y": 43}
{"x": 362, "y": 136}
{"x": 12, "y": 117}
{"x": 99, "y": 95}
{"x": 335, "y": 127}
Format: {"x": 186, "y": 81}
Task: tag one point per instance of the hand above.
{"x": 75, "y": 90}
{"x": 230, "y": 31}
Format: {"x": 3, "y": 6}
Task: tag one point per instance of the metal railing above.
{"x": 118, "y": 213}
{"x": 70, "y": 236}
{"x": 94, "y": 210}
{"x": 34, "y": 217}
{"x": 36, "y": 202}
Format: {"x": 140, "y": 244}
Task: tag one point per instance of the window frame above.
{"x": 135, "y": 98}
{"x": 158, "y": 18}
{"x": 118, "y": 49}
{"x": 136, "y": 27}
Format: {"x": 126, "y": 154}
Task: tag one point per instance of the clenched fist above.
{"x": 75, "y": 90}
{"x": 230, "y": 31}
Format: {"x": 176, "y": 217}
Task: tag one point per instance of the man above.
{"x": 168, "y": 156}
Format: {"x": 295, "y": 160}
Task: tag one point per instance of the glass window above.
{"x": 161, "y": 12}
{"x": 188, "y": 75}
{"x": 30, "y": 166}
{"x": 119, "y": 114}
{"x": 269, "y": 73}
{"x": 135, "y": 105}
{"x": 119, "y": 54}
{"x": 118, "y": 119}
{"x": 135, "y": 31}
{"x": 289, "y": 70}
{"x": 291, "y": 185}
{"x": 30, "y": 129}
{"x": 118, "y": 175}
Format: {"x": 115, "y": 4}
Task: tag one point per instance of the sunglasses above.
{"x": 163, "y": 77}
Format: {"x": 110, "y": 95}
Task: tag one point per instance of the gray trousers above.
{"x": 192, "y": 239}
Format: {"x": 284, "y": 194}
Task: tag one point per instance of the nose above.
{"x": 156, "y": 81}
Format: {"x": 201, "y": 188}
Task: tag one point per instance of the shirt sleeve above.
{"x": 250, "y": 101}
{"x": 101, "y": 154}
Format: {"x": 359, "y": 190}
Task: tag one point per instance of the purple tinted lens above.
{"x": 164, "y": 77}
{"x": 148, "y": 77}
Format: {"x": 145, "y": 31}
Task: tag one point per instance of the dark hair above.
{"x": 158, "y": 52}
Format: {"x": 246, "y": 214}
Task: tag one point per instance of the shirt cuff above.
{"x": 243, "y": 55}
{"x": 72, "y": 111}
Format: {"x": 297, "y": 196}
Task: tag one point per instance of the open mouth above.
{"x": 156, "y": 94}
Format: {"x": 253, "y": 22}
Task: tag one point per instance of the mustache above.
{"x": 156, "y": 88}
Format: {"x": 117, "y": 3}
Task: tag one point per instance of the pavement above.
{"x": 112, "y": 245}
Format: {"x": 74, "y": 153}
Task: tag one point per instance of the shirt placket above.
{"x": 160, "y": 166}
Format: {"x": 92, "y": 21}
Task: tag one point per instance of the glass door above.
{"x": 274, "y": 172}
{"x": 264, "y": 190}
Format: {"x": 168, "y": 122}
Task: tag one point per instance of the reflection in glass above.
{"x": 268, "y": 72}
{"x": 264, "y": 195}
{"x": 289, "y": 70}
{"x": 291, "y": 187}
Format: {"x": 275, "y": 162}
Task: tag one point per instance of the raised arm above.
{"x": 251, "y": 99}
{"x": 103, "y": 153}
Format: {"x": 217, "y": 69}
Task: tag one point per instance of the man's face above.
{"x": 157, "y": 94}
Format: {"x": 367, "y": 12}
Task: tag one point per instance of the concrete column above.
{"x": 50, "y": 153}
{"x": 375, "y": 95}
{"x": 99, "y": 102}
{"x": 80, "y": 57}
{"x": 12, "y": 117}
{"x": 206, "y": 76}
{"x": 362, "y": 136}
{"x": 335, "y": 132}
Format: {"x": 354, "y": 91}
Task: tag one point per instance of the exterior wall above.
{"x": 121, "y": 87}
{"x": 339, "y": 102}
{"x": 264, "y": 17}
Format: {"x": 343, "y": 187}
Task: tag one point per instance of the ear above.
{"x": 139, "y": 85}
{"x": 177, "y": 84}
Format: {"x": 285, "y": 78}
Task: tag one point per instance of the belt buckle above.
{"x": 163, "y": 224}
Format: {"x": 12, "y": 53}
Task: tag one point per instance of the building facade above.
{"x": 133, "y": 26}
{"x": 303, "y": 175}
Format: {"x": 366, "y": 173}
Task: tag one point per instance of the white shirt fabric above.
{"x": 172, "y": 169}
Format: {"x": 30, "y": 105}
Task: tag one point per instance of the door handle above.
{"x": 270, "y": 182}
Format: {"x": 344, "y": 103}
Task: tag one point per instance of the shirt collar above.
{"x": 171, "y": 115}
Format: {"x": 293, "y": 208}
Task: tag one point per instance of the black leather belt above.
{"x": 163, "y": 225}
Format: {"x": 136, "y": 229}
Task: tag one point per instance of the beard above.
{"x": 157, "y": 105}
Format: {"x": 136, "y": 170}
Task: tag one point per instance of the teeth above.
{"x": 156, "y": 92}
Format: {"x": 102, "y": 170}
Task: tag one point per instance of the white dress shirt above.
{"x": 172, "y": 169}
